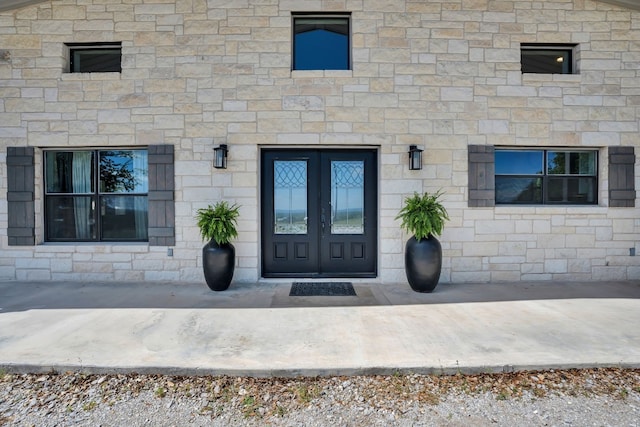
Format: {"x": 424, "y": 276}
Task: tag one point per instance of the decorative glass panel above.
{"x": 321, "y": 43}
{"x": 347, "y": 197}
{"x": 290, "y": 196}
{"x": 123, "y": 171}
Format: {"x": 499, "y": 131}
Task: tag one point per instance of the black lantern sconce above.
{"x": 220, "y": 156}
{"x": 415, "y": 158}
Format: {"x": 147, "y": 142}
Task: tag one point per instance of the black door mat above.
{"x": 322, "y": 289}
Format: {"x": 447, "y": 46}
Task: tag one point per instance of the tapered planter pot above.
{"x": 423, "y": 263}
{"x": 218, "y": 264}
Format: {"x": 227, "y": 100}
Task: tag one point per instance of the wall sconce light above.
{"x": 415, "y": 158}
{"x": 220, "y": 156}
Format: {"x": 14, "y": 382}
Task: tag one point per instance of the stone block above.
{"x": 609, "y": 273}
{"x": 456, "y": 94}
{"x": 556, "y": 266}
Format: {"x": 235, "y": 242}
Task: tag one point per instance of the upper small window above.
{"x": 95, "y": 58}
{"x": 321, "y": 42}
{"x": 545, "y": 59}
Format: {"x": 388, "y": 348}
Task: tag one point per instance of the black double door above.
{"x": 319, "y": 213}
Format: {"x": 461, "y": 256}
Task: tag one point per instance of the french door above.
{"x": 319, "y": 213}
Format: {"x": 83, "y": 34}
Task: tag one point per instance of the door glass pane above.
{"x": 347, "y": 197}
{"x": 123, "y": 171}
{"x": 290, "y": 196}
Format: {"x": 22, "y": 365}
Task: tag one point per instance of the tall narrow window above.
{"x": 547, "y": 59}
{"x": 96, "y": 195}
{"x": 321, "y": 42}
{"x": 95, "y": 57}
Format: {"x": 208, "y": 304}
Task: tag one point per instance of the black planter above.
{"x": 423, "y": 263}
{"x": 218, "y": 263}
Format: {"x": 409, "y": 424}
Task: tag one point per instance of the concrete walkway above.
{"x": 259, "y": 330}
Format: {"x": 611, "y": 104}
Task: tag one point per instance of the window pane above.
{"x": 518, "y": 190}
{"x": 123, "y": 217}
{"x": 96, "y": 60}
{"x": 571, "y": 190}
{"x": 69, "y": 172}
{"x": 571, "y": 163}
{"x": 519, "y": 162}
{"x": 347, "y": 197}
{"x": 123, "y": 171}
{"x": 321, "y": 44}
{"x": 549, "y": 61}
{"x": 290, "y": 197}
{"x": 70, "y": 218}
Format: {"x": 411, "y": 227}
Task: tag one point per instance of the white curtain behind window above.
{"x": 82, "y": 184}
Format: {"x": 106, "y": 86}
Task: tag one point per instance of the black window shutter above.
{"x": 482, "y": 183}
{"x": 20, "y": 196}
{"x": 162, "y": 213}
{"x": 622, "y": 189}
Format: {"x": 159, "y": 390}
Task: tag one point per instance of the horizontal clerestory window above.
{"x": 95, "y": 57}
{"x": 548, "y": 59}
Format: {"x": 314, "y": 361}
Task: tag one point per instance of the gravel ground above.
{"x": 588, "y": 397}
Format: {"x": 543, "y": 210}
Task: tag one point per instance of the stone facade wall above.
{"x": 439, "y": 74}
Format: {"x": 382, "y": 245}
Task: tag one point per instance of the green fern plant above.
{"x": 218, "y": 222}
{"x": 423, "y": 215}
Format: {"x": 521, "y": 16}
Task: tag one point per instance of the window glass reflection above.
{"x": 518, "y": 190}
{"x": 123, "y": 217}
{"x": 69, "y": 172}
{"x": 519, "y": 162}
{"x": 546, "y": 61}
{"x": 123, "y": 171}
{"x": 96, "y": 60}
{"x": 70, "y": 218}
{"x": 321, "y": 44}
{"x": 571, "y": 163}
